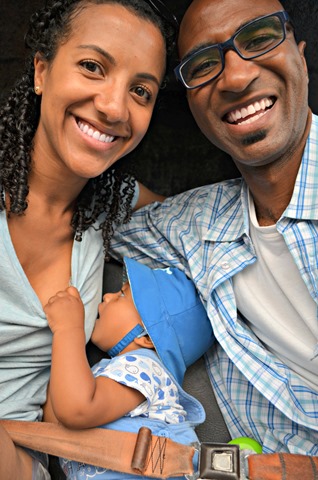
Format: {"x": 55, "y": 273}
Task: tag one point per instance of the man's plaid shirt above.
{"x": 205, "y": 232}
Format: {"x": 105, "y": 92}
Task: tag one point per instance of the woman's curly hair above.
{"x": 110, "y": 193}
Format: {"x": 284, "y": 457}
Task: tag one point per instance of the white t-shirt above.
{"x": 276, "y": 303}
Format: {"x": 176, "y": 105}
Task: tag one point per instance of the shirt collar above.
{"x": 229, "y": 221}
{"x": 304, "y": 202}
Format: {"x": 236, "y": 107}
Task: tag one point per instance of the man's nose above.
{"x": 238, "y": 73}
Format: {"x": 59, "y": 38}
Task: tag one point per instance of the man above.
{"x": 249, "y": 244}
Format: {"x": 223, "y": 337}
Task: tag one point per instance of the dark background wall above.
{"x": 174, "y": 156}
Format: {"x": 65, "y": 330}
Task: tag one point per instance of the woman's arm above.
{"x": 48, "y": 412}
{"x": 147, "y": 196}
{"x": 78, "y": 399}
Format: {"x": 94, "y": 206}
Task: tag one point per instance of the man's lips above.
{"x": 91, "y": 131}
{"x": 250, "y": 113}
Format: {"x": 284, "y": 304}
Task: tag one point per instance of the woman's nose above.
{"x": 112, "y": 102}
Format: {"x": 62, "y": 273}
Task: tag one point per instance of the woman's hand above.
{"x": 65, "y": 310}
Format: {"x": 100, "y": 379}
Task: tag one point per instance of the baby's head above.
{"x": 119, "y": 328}
{"x": 156, "y": 308}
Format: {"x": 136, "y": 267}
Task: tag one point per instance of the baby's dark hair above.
{"x": 107, "y": 196}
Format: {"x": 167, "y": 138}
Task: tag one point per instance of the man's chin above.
{"x": 254, "y": 138}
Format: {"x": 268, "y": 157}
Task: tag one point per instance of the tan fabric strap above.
{"x": 150, "y": 455}
{"x": 125, "y": 452}
{"x": 282, "y": 466}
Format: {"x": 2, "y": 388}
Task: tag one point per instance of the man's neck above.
{"x": 272, "y": 186}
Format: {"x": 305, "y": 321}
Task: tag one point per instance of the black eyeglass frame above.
{"x": 165, "y": 13}
{"x": 229, "y": 45}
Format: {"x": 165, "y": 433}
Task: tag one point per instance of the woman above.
{"x": 85, "y": 101}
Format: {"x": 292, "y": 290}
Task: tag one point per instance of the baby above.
{"x": 152, "y": 330}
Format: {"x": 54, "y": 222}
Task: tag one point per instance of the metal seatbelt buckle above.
{"x": 221, "y": 461}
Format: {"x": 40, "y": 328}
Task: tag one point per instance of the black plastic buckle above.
{"x": 219, "y": 461}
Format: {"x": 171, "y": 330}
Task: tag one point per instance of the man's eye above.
{"x": 204, "y": 68}
{"x": 260, "y": 42}
{"x": 91, "y": 66}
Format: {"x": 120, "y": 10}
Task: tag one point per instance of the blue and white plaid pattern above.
{"x": 205, "y": 232}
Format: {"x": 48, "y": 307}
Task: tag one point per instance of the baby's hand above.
{"x": 65, "y": 310}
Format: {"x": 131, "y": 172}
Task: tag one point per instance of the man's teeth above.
{"x": 257, "y": 109}
{"x": 88, "y": 130}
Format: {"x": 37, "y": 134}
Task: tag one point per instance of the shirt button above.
{"x": 225, "y": 266}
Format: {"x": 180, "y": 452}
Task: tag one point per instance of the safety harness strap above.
{"x": 282, "y": 466}
{"x": 139, "y": 454}
{"x": 157, "y": 457}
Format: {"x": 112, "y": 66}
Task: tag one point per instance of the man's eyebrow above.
{"x": 243, "y": 24}
{"x": 202, "y": 45}
{"x": 111, "y": 59}
{"x": 196, "y": 49}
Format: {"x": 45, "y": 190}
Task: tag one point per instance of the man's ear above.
{"x": 144, "y": 342}
{"x": 301, "y": 48}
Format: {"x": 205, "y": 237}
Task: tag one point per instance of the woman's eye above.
{"x": 143, "y": 93}
{"x": 91, "y": 66}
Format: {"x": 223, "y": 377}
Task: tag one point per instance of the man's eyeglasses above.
{"x": 251, "y": 41}
{"x": 164, "y": 13}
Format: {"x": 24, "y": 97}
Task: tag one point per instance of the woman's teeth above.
{"x": 88, "y": 130}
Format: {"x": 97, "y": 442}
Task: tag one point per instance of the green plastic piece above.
{"x": 246, "y": 443}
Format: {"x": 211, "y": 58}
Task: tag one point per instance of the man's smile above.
{"x": 251, "y": 112}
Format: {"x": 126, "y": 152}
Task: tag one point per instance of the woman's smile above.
{"x": 97, "y": 95}
{"x": 90, "y": 131}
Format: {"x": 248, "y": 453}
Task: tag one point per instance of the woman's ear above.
{"x": 144, "y": 342}
{"x": 40, "y": 69}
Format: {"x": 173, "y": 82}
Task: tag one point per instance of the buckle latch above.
{"x": 219, "y": 461}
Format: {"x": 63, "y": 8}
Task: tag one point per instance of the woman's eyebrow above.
{"x": 148, "y": 76}
{"x": 101, "y": 51}
{"x": 111, "y": 59}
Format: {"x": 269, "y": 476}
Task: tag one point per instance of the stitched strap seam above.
{"x": 314, "y": 468}
{"x": 159, "y": 450}
{"x": 283, "y": 465}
